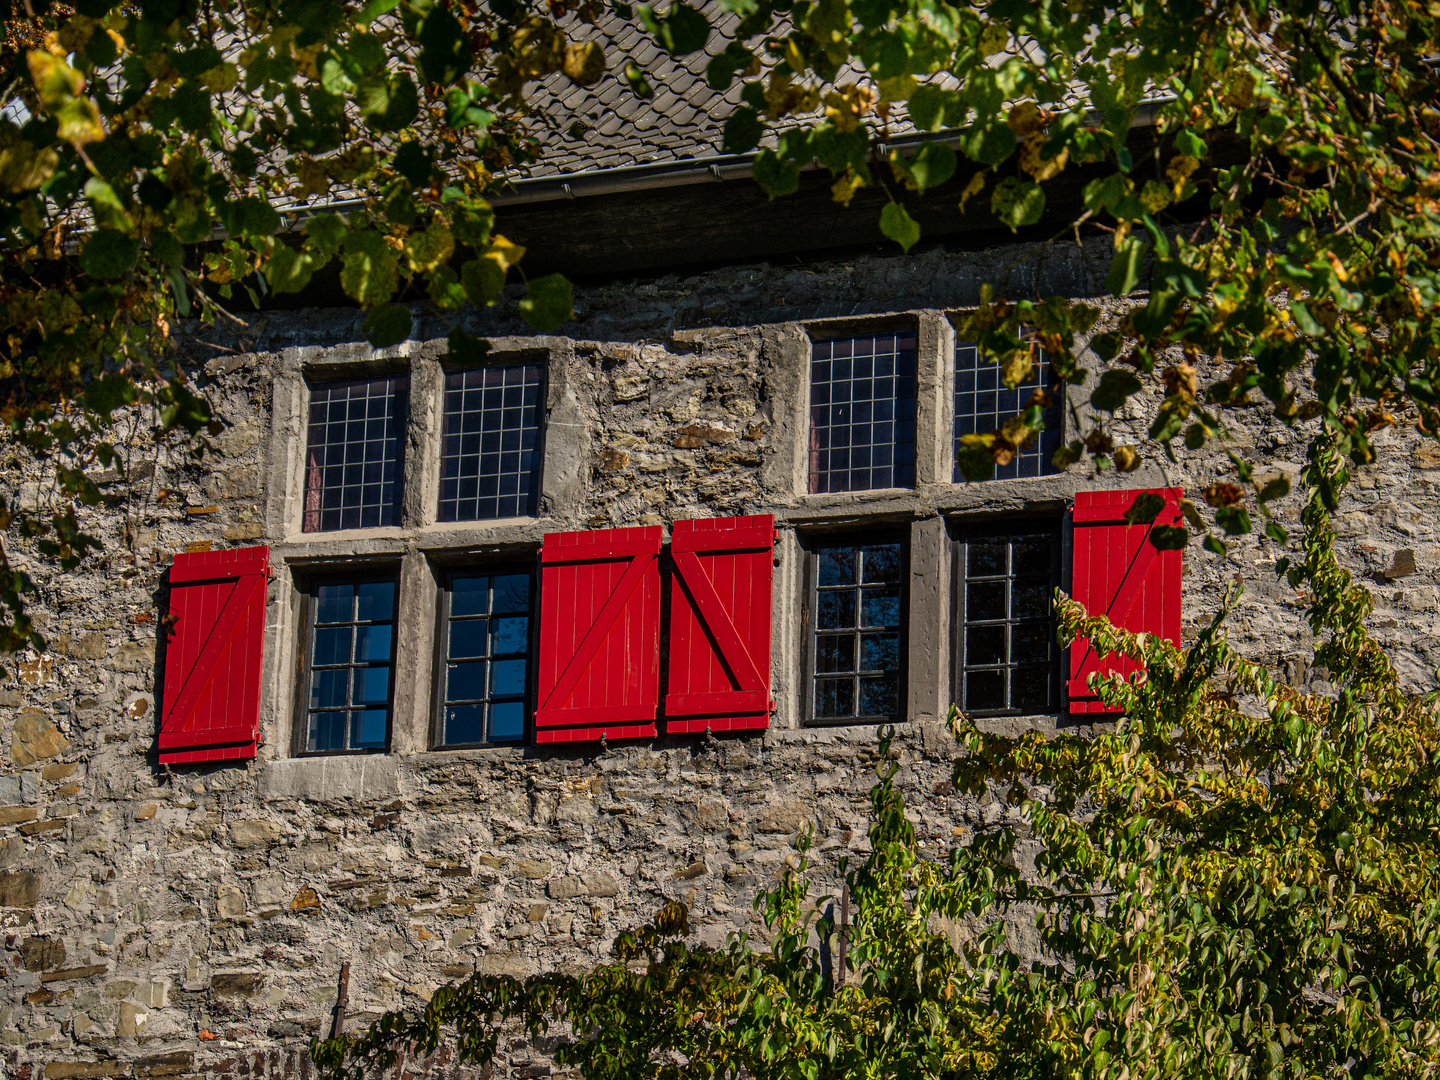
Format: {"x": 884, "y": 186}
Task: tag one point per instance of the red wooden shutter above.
{"x": 211, "y": 706}
{"x": 599, "y": 670}
{"x": 719, "y": 670}
{"x": 1118, "y": 573}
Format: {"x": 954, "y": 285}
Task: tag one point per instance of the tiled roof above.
{"x": 682, "y": 121}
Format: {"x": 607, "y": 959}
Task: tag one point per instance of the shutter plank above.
{"x": 599, "y": 665}
{"x": 211, "y": 705}
{"x": 720, "y": 624}
{"x": 1116, "y": 571}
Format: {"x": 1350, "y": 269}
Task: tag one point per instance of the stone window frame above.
{"x": 421, "y": 547}
{"x": 445, "y": 574}
{"x": 935, "y": 333}
{"x": 970, "y": 528}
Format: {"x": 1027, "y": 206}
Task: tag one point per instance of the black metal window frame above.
{"x": 813, "y": 545}
{"x": 442, "y": 655}
{"x": 991, "y": 533}
{"x": 968, "y": 417}
{"x": 886, "y": 421}
{"x": 526, "y": 504}
{"x": 310, "y": 602}
{"x": 362, "y": 469}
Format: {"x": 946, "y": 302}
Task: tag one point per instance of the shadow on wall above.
{"x": 651, "y": 309}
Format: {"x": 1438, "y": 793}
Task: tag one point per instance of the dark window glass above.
{"x": 1007, "y": 659}
{"x": 487, "y": 659}
{"x": 862, "y": 413}
{"x": 352, "y": 460}
{"x": 490, "y": 463}
{"x": 858, "y": 604}
{"x": 352, "y": 655}
{"x": 983, "y": 403}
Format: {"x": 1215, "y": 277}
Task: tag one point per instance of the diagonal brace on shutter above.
{"x": 718, "y": 621}
{"x": 593, "y": 639}
{"x": 231, "y": 617}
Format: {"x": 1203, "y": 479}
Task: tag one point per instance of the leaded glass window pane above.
{"x": 352, "y": 654}
{"x": 1007, "y": 659}
{"x": 487, "y": 661}
{"x": 490, "y": 443}
{"x": 983, "y": 403}
{"x": 862, "y": 413}
{"x": 857, "y": 604}
{"x": 353, "y": 454}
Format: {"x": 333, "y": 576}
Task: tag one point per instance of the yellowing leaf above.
{"x": 1016, "y": 367}
{"x": 584, "y": 63}
{"x": 429, "y": 249}
{"x": 60, "y": 87}
{"x": 897, "y": 89}
{"x": 368, "y": 274}
{"x": 973, "y": 188}
{"x": 1041, "y": 168}
{"x": 504, "y": 253}
{"x": 220, "y": 79}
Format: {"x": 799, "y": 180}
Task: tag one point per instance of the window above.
{"x": 1006, "y": 656}
{"x": 490, "y": 460}
{"x": 352, "y": 463}
{"x": 351, "y": 658}
{"x": 862, "y": 413}
{"x": 485, "y": 624}
{"x": 856, "y": 631}
{"x": 983, "y": 403}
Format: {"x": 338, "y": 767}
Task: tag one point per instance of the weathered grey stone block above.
{"x": 364, "y": 779}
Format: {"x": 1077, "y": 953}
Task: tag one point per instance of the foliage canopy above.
{"x": 1242, "y": 879}
{"x": 1266, "y": 169}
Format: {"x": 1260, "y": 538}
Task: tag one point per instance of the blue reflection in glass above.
{"x": 507, "y": 721}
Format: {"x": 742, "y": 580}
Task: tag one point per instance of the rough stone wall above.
{"x": 193, "y": 921}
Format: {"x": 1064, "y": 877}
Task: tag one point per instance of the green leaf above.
{"x": 387, "y": 325}
{"x": 387, "y": 102}
{"x": 288, "y": 270}
{"x": 108, "y": 254}
{"x": 720, "y": 72}
{"x": 1275, "y": 489}
{"x": 1017, "y": 203}
{"x": 1235, "y": 520}
{"x": 412, "y": 161}
{"x": 1214, "y": 544}
{"x": 1145, "y": 509}
{"x": 484, "y": 281}
{"x": 899, "y": 225}
{"x": 932, "y": 165}
{"x": 324, "y": 233}
{"x": 778, "y": 176}
{"x": 1169, "y": 537}
{"x": 975, "y": 464}
{"x": 548, "y": 303}
{"x": 445, "y": 52}
{"x": 1190, "y": 144}
{"x": 742, "y": 131}
{"x": 465, "y": 348}
{"x": 1116, "y": 385}
{"x": 932, "y": 108}
{"x": 1275, "y": 531}
{"x": 368, "y": 274}
{"x": 374, "y": 9}
{"x": 1125, "y": 266}
{"x": 990, "y": 144}
{"x": 681, "y": 30}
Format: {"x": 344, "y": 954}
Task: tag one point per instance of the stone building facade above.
{"x": 167, "y": 918}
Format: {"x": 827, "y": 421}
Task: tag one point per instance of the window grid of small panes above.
{"x": 487, "y": 659}
{"x": 858, "y": 610}
{"x": 353, "y": 454}
{"x": 1007, "y": 645}
{"x": 352, "y": 653}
